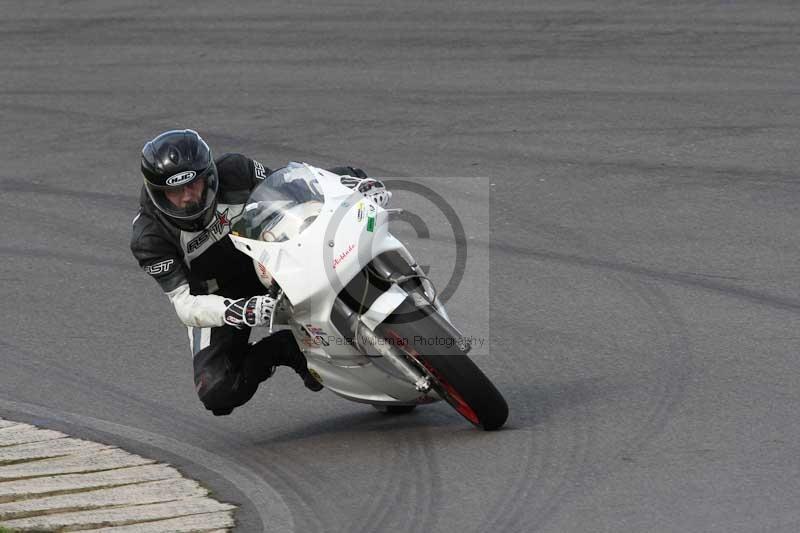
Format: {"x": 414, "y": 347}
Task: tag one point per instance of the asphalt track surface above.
{"x": 640, "y": 163}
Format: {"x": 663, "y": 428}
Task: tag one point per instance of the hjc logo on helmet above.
{"x": 181, "y": 178}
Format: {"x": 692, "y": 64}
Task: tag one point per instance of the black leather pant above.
{"x": 228, "y": 370}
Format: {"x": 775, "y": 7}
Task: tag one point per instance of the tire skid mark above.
{"x": 396, "y": 488}
{"x": 419, "y": 486}
{"x": 514, "y": 499}
{"x": 575, "y": 469}
{"x": 419, "y": 480}
{"x": 670, "y": 390}
{"x": 299, "y": 490}
{"x": 677, "y": 368}
{"x": 430, "y": 480}
{"x": 513, "y": 510}
{"x": 296, "y": 488}
{"x": 514, "y": 502}
{"x": 390, "y": 487}
{"x": 700, "y": 281}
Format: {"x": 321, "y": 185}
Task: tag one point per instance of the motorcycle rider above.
{"x": 180, "y": 238}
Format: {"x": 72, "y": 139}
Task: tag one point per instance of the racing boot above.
{"x": 280, "y": 349}
{"x": 294, "y": 359}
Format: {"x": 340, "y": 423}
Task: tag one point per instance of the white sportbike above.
{"x": 363, "y": 312}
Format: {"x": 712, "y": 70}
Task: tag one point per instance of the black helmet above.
{"x": 172, "y": 160}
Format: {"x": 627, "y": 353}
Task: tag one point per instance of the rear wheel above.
{"x": 455, "y": 377}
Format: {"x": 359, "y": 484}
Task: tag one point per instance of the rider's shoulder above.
{"x": 144, "y": 225}
{"x": 147, "y": 231}
{"x": 234, "y": 168}
{"x": 237, "y": 171}
{"x": 144, "y": 219}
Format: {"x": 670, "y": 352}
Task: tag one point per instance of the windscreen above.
{"x": 282, "y": 206}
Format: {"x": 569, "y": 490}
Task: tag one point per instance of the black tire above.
{"x": 456, "y": 378}
{"x": 395, "y": 409}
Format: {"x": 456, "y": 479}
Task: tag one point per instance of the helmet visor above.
{"x": 189, "y": 196}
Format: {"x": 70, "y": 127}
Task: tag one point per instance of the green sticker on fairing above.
{"x": 371, "y": 219}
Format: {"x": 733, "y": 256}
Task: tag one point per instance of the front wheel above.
{"x": 454, "y": 376}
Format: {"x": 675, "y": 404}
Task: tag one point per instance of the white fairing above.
{"x": 313, "y": 265}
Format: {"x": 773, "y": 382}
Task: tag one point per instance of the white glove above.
{"x": 252, "y": 312}
{"x": 373, "y": 189}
